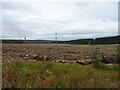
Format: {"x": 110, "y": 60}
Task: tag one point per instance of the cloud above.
{"x": 71, "y": 20}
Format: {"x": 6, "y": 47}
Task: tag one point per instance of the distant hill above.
{"x": 102, "y": 40}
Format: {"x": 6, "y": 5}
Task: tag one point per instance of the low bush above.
{"x": 96, "y": 60}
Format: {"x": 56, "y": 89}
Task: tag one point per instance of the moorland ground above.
{"x": 21, "y": 67}
{"x": 19, "y": 52}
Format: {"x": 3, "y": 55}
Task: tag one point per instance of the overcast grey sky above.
{"x": 71, "y": 20}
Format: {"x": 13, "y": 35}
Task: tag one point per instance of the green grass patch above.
{"x": 87, "y": 46}
{"x": 105, "y": 47}
{"x": 108, "y": 47}
{"x": 47, "y": 74}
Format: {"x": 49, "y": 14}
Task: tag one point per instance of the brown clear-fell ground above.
{"x": 21, "y": 52}
{"x": 47, "y": 74}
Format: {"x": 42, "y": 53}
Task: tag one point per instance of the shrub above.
{"x": 96, "y": 60}
{"x": 116, "y": 58}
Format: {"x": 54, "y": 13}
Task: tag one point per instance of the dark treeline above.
{"x": 108, "y": 40}
{"x": 103, "y": 40}
{"x": 26, "y": 41}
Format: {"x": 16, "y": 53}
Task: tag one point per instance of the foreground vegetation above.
{"x": 45, "y": 74}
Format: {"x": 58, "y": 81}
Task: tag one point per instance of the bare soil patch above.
{"x": 28, "y": 52}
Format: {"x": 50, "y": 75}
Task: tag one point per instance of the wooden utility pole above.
{"x": 93, "y": 41}
{"x": 24, "y": 38}
{"x": 89, "y": 42}
{"x": 56, "y": 38}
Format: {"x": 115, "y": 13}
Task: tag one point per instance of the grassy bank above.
{"x": 57, "y": 75}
